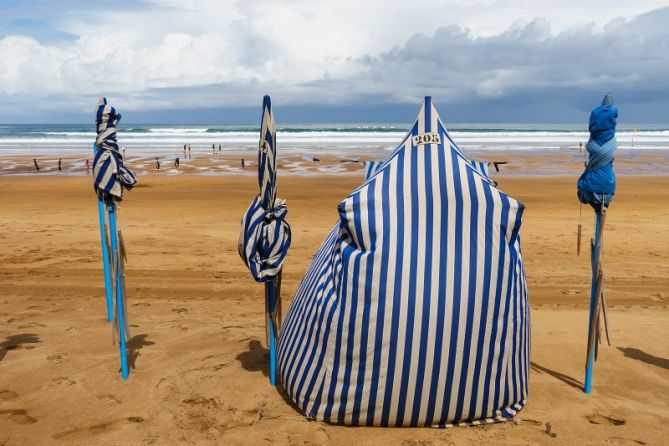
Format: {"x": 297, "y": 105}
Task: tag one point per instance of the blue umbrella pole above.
{"x": 118, "y": 286}
{"x": 594, "y": 298}
{"x": 271, "y": 290}
{"x": 105, "y": 255}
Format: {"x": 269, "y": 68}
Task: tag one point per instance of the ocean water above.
{"x": 302, "y": 140}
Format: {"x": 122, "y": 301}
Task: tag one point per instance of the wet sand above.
{"x": 518, "y": 163}
{"x": 198, "y": 358}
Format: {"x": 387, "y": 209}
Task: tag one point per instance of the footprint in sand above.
{"x": 32, "y": 325}
{"x": 603, "y": 419}
{"x": 57, "y": 358}
{"x": 7, "y": 395}
{"x": 18, "y": 416}
{"x": 623, "y": 441}
{"x": 60, "y": 380}
{"x": 108, "y": 398}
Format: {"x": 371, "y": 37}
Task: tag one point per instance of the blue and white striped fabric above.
{"x": 482, "y": 167}
{"x": 414, "y": 310}
{"x": 106, "y": 120}
{"x": 264, "y": 239}
{"x": 371, "y": 167}
{"x": 265, "y": 235}
{"x": 110, "y": 175}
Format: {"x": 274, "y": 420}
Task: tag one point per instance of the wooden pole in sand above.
{"x": 104, "y": 240}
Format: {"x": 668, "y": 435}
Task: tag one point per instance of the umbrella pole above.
{"x": 105, "y": 255}
{"x": 271, "y": 296}
{"x": 594, "y": 297}
{"x": 118, "y": 285}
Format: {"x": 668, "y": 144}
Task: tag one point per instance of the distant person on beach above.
{"x": 123, "y": 150}
{"x": 176, "y": 162}
{"x": 157, "y": 164}
{"x": 213, "y": 149}
{"x": 88, "y": 166}
{"x": 189, "y": 152}
{"x": 36, "y": 165}
{"x": 60, "y": 164}
{"x": 580, "y": 146}
{"x": 219, "y": 148}
{"x": 243, "y": 164}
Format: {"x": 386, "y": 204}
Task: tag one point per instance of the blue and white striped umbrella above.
{"x": 110, "y": 175}
{"x": 265, "y": 236}
{"x": 414, "y": 310}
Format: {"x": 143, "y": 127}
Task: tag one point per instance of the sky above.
{"x": 187, "y": 61}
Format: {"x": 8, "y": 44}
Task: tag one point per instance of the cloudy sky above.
{"x": 187, "y": 61}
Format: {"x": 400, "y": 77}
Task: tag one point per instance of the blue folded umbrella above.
{"x": 597, "y": 184}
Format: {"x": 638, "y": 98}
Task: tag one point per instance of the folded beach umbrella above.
{"x": 414, "y": 310}
{"x": 265, "y": 235}
{"x": 596, "y": 187}
{"x": 110, "y": 178}
{"x": 597, "y": 184}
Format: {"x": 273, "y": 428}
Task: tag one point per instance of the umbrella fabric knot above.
{"x": 111, "y": 176}
{"x": 264, "y": 239}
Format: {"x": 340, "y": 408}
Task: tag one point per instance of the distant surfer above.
{"x": 157, "y": 164}
{"x": 60, "y": 164}
{"x": 176, "y": 162}
{"x": 243, "y": 164}
{"x": 36, "y": 165}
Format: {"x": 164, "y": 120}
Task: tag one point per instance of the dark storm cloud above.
{"x": 527, "y": 73}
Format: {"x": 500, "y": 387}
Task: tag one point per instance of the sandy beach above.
{"x": 197, "y": 350}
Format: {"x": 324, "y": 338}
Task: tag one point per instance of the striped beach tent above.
{"x": 414, "y": 310}
{"x": 483, "y": 167}
{"x": 371, "y": 167}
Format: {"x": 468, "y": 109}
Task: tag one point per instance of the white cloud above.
{"x": 183, "y": 53}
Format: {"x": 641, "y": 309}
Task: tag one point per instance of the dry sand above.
{"x": 199, "y": 364}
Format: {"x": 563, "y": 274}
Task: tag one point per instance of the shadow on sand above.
{"x": 14, "y": 342}
{"x": 134, "y": 345}
{"x": 642, "y": 356}
{"x": 256, "y": 358}
{"x": 561, "y": 376}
